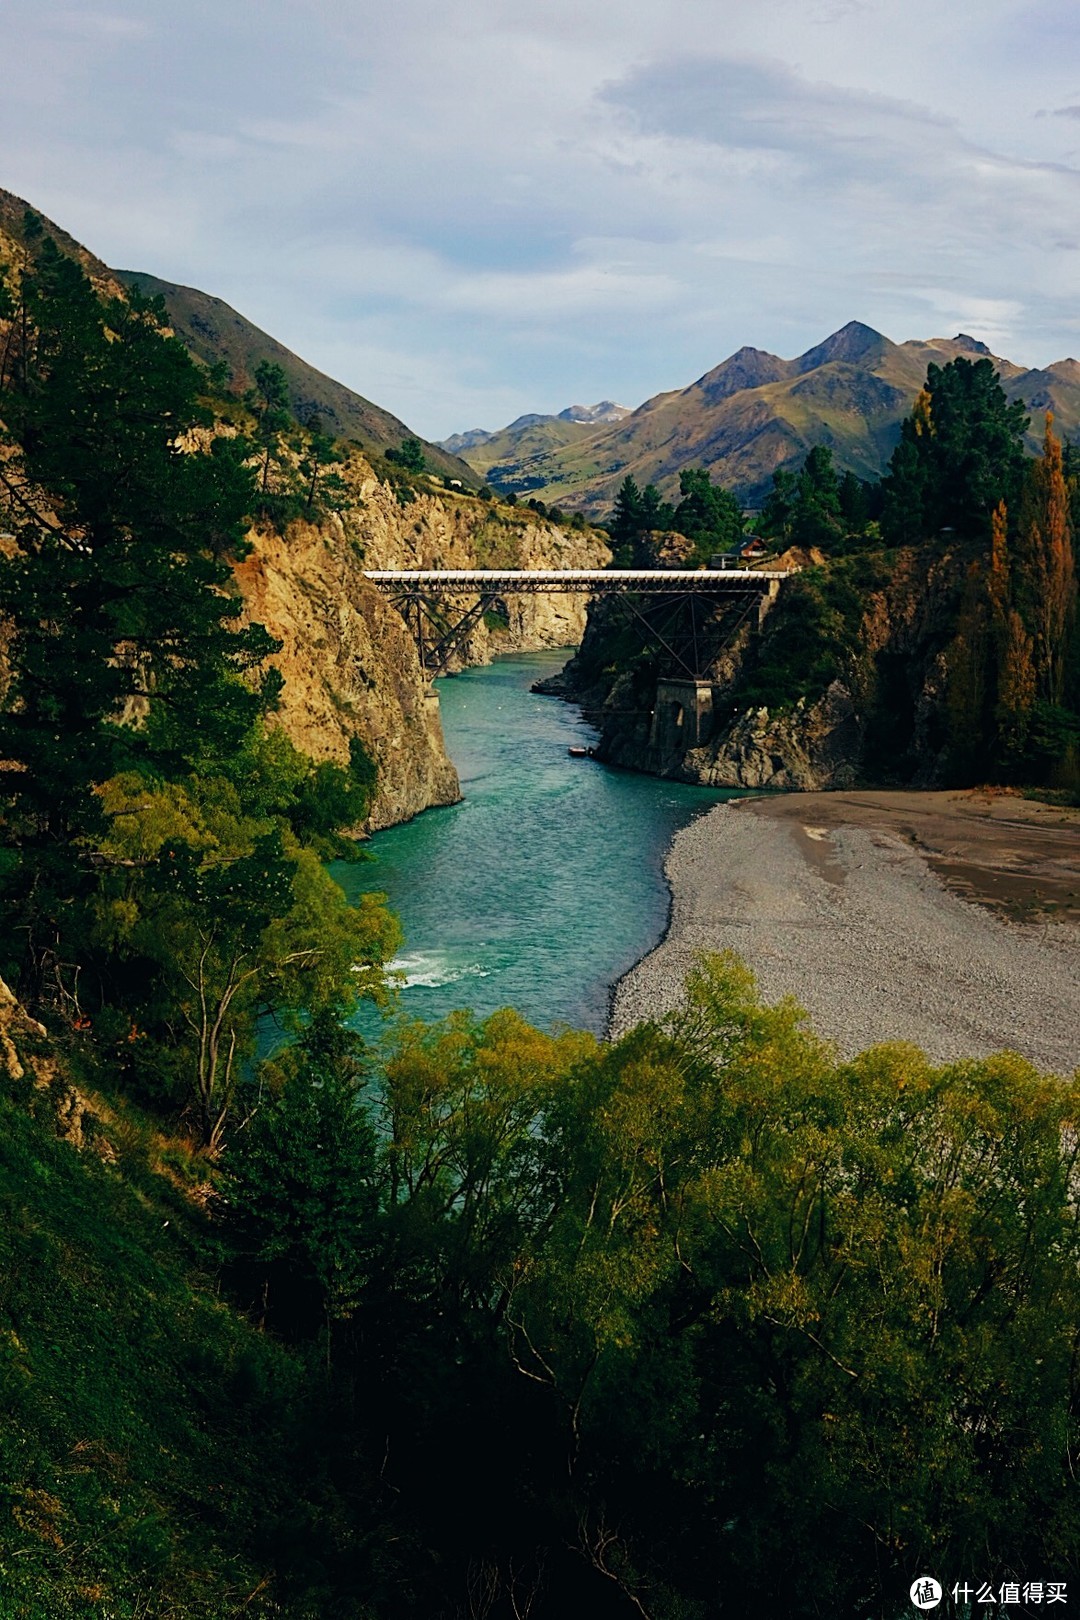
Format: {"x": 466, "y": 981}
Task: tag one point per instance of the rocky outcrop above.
{"x": 893, "y": 630}
{"x": 350, "y": 664}
{"x": 26, "y": 1054}
{"x": 811, "y": 747}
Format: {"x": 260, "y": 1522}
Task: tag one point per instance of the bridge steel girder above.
{"x": 578, "y": 581}
{"x": 417, "y": 594}
{"x": 422, "y": 614}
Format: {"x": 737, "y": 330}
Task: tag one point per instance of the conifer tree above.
{"x": 126, "y": 650}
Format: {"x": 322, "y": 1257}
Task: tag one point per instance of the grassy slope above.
{"x": 506, "y": 456}
{"x": 144, "y": 1441}
{"x": 213, "y": 331}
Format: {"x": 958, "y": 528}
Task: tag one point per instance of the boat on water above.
{"x": 582, "y": 753}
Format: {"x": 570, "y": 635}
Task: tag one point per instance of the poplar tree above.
{"x": 1051, "y": 566}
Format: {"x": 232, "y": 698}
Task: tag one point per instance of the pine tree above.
{"x": 126, "y": 650}
{"x": 627, "y": 521}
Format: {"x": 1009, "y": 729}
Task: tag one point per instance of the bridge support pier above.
{"x": 766, "y": 600}
{"x": 683, "y": 716}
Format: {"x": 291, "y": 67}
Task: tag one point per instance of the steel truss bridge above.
{"x": 429, "y": 600}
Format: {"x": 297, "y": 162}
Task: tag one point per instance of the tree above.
{"x": 322, "y": 485}
{"x": 126, "y": 650}
{"x": 804, "y": 508}
{"x": 627, "y": 521}
{"x": 778, "y": 513}
{"x": 1050, "y": 567}
{"x": 269, "y": 399}
{"x": 961, "y": 452}
{"x": 218, "y": 917}
{"x": 854, "y": 503}
{"x": 301, "y": 1186}
{"x": 817, "y": 519}
{"x": 707, "y": 514}
{"x": 829, "y": 1307}
{"x": 411, "y": 455}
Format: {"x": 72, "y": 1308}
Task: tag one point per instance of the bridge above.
{"x": 420, "y": 594}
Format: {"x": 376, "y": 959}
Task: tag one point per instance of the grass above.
{"x": 148, "y": 1429}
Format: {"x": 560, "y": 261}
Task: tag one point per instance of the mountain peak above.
{"x": 972, "y": 345}
{"x": 746, "y": 368}
{"x": 605, "y": 411}
{"x": 852, "y": 342}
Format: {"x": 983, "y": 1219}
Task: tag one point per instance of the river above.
{"x": 545, "y": 884}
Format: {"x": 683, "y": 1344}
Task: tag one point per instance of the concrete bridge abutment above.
{"x": 683, "y": 715}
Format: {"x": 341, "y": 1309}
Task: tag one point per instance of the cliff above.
{"x": 857, "y": 675}
{"x": 349, "y": 662}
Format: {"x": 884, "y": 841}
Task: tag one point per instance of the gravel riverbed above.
{"x": 865, "y": 936}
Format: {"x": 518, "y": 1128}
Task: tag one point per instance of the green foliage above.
{"x": 120, "y": 595}
{"x": 961, "y": 452}
{"x": 807, "y": 509}
{"x": 703, "y": 1312}
{"x": 627, "y": 522}
{"x": 410, "y": 456}
{"x": 209, "y": 915}
{"x": 301, "y": 1188}
{"x": 710, "y": 516}
{"x": 161, "y": 878}
{"x": 706, "y": 514}
{"x": 142, "y": 1429}
{"x": 811, "y": 638}
{"x": 816, "y": 1319}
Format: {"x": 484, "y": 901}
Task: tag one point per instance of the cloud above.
{"x": 452, "y": 204}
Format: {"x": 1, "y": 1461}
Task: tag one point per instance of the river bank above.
{"x": 948, "y": 919}
{"x": 545, "y": 883}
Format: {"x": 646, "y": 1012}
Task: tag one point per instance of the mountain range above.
{"x": 753, "y": 413}
{"x": 742, "y": 420}
{"x": 489, "y": 448}
{"x": 214, "y": 332}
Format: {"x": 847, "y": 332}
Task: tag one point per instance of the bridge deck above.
{"x": 594, "y": 581}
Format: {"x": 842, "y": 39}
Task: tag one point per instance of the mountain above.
{"x": 756, "y": 412}
{"x": 498, "y": 456}
{"x": 213, "y": 332}
{"x": 606, "y": 411}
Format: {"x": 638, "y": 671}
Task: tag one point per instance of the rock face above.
{"x": 26, "y": 1053}
{"x": 350, "y": 668}
{"x": 885, "y": 717}
{"x": 349, "y": 662}
{"x": 810, "y": 748}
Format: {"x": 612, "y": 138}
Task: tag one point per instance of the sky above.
{"x": 470, "y": 209}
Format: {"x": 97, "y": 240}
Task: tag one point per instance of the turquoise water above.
{"x": 546, "y": 883}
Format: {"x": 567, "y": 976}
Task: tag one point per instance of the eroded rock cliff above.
{"x": 350, "y": 664}
{"x": 853, "y": 677}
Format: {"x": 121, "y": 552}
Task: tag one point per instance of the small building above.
{"x": 753, "y": 548}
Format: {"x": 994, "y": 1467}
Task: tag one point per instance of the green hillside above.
{"x": 507, "y": 456}
{"x": 148, "y": 1427}
{"x": 214, "y": 332}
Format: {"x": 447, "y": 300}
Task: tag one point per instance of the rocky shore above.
{"x": 946, "y": 919}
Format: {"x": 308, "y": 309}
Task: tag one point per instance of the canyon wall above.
{"x": 880, "y": 711}
{"x": 350, "y": 664}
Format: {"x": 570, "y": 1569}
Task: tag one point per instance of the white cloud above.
{"x": 467, "y": 209}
